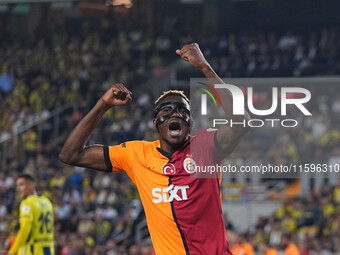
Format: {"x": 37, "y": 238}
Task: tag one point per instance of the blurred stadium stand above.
{"x": 56, "y": 59}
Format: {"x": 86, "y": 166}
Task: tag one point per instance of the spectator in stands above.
{"x": 30, "y": 143}
{"x": 6, "y": 82}
{"x": 289, "y": 246}
{"x": 265, "y": 249}
{"x": 241, "y": 246}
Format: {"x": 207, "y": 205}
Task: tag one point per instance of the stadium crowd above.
{"x": 98, "y": 213}
{"x": 309, "y": 224}
{"x": 291, "y": 54}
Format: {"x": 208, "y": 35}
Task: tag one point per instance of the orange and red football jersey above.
{"x": 183, "y": 210}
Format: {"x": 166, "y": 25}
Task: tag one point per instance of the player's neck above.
{"x": 24, "y": 197}
{"x": 170, "y": 148}
{"x": 29, "y": 194}
{"x": 164, "y": 153}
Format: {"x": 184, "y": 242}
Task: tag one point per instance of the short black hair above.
{"x": 172, "y": 93}
{"x": 27, "y": 177}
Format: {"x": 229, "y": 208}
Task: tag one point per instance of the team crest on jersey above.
{"x": 26, "y": 209}
{"x": 189, "y": 164}
{"x": 169, "y": 169}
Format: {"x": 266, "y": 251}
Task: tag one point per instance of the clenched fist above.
{"x": 117, "y": 95}
{"x": 194, "y": 55}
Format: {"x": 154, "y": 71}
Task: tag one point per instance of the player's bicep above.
{"x": 93, "y": 157}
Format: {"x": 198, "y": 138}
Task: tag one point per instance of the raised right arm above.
{"x": 75, "y": 151}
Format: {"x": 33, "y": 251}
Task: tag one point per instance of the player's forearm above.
{"x": 20, "y": 240}
{"x": 75, "y": 144}
{"x": 225, "y": 96}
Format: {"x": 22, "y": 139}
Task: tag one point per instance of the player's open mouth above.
{"x": 175, "y": 128}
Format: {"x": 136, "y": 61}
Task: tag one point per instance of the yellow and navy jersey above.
{"x": 36, "y": 233}
{"x": 182, "y": 207}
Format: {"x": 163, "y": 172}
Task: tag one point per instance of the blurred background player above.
{"x": 36, "y": 233}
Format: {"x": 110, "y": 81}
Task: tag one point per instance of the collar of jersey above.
{"x": 163, "y": 154}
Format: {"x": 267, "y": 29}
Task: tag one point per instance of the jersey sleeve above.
{"x": 119, "y": 158}
{"x": 26, "y": 211}
{"x": 26, "y": 219}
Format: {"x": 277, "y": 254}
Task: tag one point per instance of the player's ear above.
{"x": 155, "y": 123}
